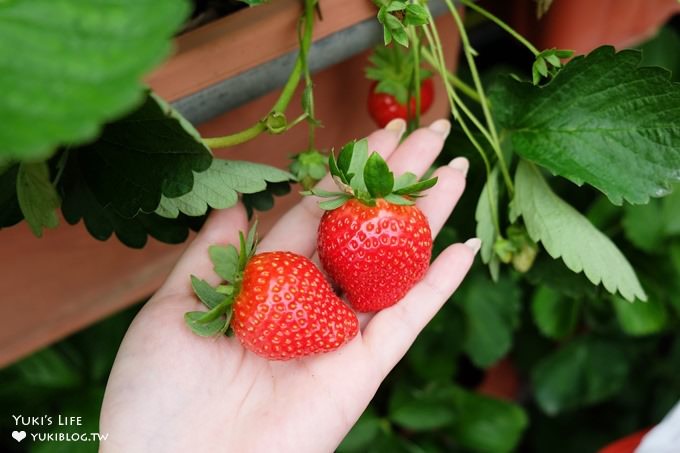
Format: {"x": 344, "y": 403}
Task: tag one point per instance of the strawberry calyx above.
{"x": 229, "y": 263}
{"x": 393, "y": 69}
{"x": 367, "y": 179}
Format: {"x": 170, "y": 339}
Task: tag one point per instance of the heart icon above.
{"x": 19, "y": 435}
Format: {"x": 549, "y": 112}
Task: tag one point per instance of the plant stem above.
{"x": 467, "y": 48}
{"x": 305, "y": 39}
{"x": 415, "y": 48}
{"x": 433, "y": 38}
{"x": 501, "y": 24}
{"x": 237, "y": 138}
{"x": 463, "y": 87}
{"x": 284, "y": 98}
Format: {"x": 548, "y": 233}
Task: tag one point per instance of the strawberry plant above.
{"x": 575, "y": 163}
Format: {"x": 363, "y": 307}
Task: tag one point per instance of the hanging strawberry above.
{"x": 392, "y": 90}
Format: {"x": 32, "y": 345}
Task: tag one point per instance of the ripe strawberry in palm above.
{"x": 372, "y": 241}
{"x": 392, "y": 69}
{"x": 278, "y": 304}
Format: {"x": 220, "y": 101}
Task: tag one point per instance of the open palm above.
{"x": 173, "y": 391}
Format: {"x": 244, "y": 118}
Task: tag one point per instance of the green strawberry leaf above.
{"x": 640, "y": 318}
{"x": 378, "y": 178}
{"x": 219, "y": 185}
{"x": 70, "y": 66}
{"x": 405, "y": 180}
{"x": 251, "y": 240}
{"x": 554, "y": 315}
{"x": 204, "y": 329}
{"x": 369, "y": 178}
{"x": 140, "y": 158}
{"x": 225, "y": 259}
{"x": 206, "y": 293}
{"x": 335, "y": 203}
{"x": 357, "y": 163}
{"x": 492, "y": 314}
{"x": 566, "y": 233}
{"x": 602, "y": 120}
{"x": 79, "y": 202}
{"x": 37, "y": 197}
{"x": 485, "y": 424}
{"x": 420, "y": 186}
{"x": 393, "y": 69}
{"x": 398, "y": 200}
{"x": 422, "y": 410}
{"x": 586, "y": 371}
{"x": 486, "y": 211}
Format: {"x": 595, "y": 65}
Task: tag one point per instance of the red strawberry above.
{"x": 282, "y": 306}
{"x": 372, "y": 241}
{"x": 374, "y": 253}
{"x": 384, "y": 107}
{"x": 393, "y": 71}
{"x": 287, "y": 309}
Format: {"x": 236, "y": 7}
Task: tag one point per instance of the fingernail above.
{"x": 441, "y": 127}
{"x": 397, "y": 125}
{"x": 474, "y": 244}
{"x": 460, "y": 164}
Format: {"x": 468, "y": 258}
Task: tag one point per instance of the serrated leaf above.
{"x": 68, "y": 66}
{"x": 378, "y": 178}
{"x": 640, "y": 318}
{"x": 206, "y": 293}
{"x": 567, "y": 234}
{"x": 554, "y": 315}
{"x": 487, "y": 209}
{"x": 602, "y": 120}
{"x": 80, "y": 203}
{"x": 37, "y": 197}
{"x": 219, "y": 185}
{"x": 584, "y": 372}
{"x": 492, "y": 315}
{"x": 204, "y": 329}
{"x": 225, "y": 259}
{"x": 139, "y": 158}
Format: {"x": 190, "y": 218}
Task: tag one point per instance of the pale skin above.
{"x": 173, "y": 391}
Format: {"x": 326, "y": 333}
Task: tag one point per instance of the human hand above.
{"x": 171, "y": 390}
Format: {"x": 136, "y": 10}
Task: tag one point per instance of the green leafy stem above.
{"x": 275, "y": 121}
